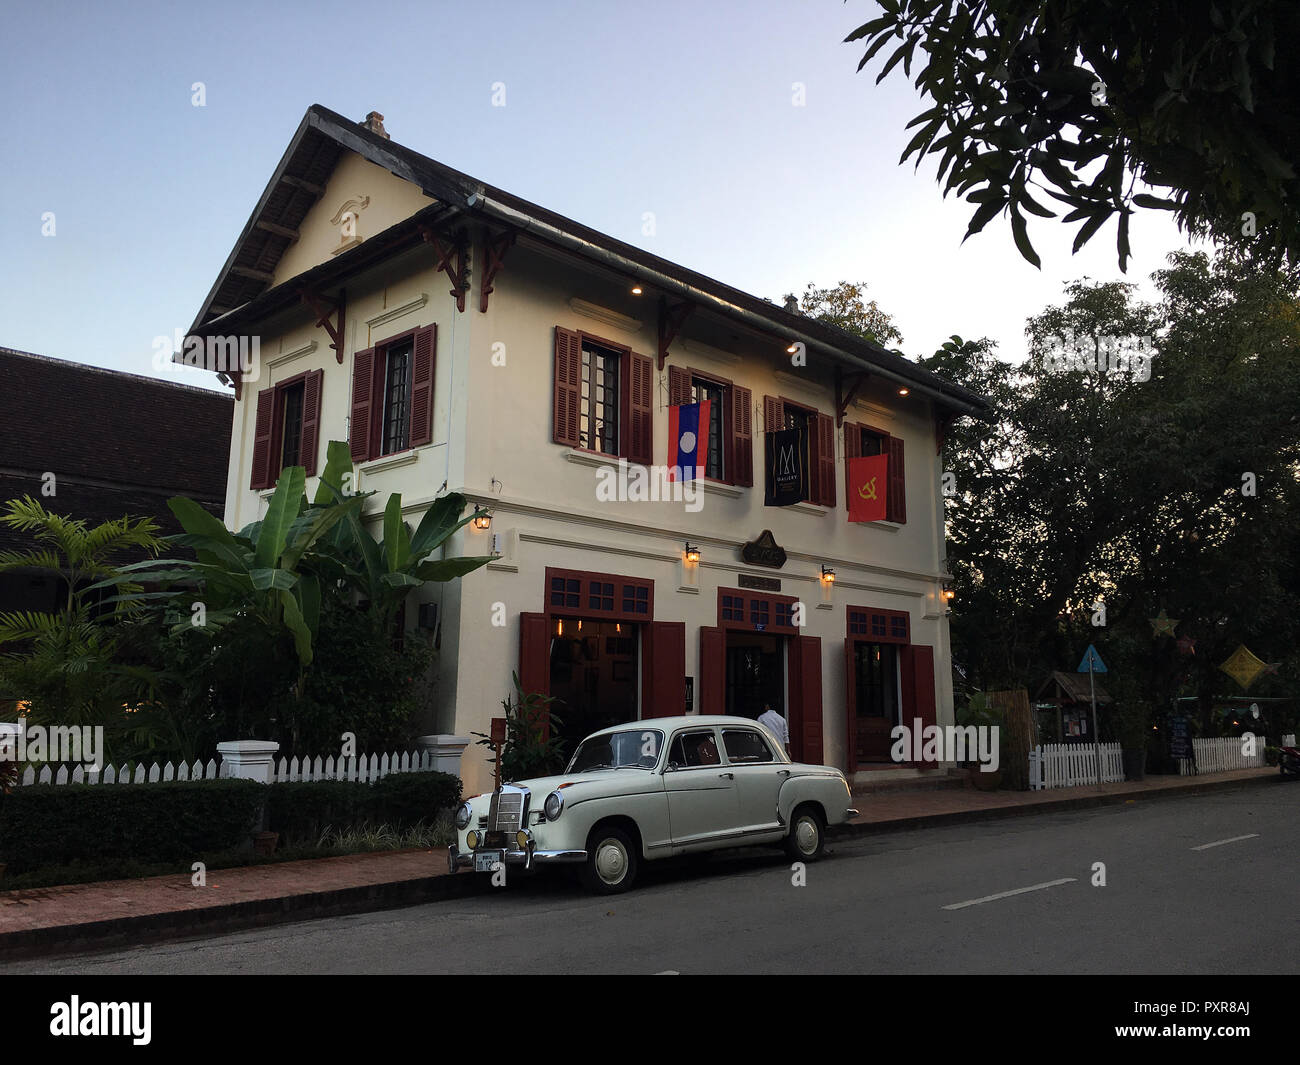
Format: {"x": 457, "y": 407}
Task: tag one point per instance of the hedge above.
{"x": 178, "y": 821}
{"x": 301, "y": 812}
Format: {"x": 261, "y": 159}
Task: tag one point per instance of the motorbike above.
{"x": 1288, "y": 761}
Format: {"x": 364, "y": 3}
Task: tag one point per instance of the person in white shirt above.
{"x": 775, "y": 724}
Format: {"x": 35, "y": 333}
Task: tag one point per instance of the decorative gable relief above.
{"x": 346, "y": 218}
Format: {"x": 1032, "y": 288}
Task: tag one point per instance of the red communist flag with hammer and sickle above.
{"x": 868, "y": 478}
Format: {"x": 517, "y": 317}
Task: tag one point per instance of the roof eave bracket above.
{"x": 671, "y": 319}
{"x": 457, "y": 272}
{"x": 494, "y": 254}
{"x": 325, "y": 308}
{"x": 842, "y": 399}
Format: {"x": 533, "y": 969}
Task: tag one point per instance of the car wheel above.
{"x": 611, "y": 862}
{"x": 807, "y": 836}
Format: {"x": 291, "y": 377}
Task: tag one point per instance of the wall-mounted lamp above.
{"x": 904, "y": 391}
{"x": 793, "y": 349}
{"x": 483, "y": 519}
{"x": 636, "y": 288}
{"x": 828, "y": 574}
{"x": 948, "y": 593}
{"x": 692, "y": 553}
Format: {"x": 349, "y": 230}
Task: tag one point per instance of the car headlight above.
{"x": 553, "y": 806}
{"x": 463, "y": 815}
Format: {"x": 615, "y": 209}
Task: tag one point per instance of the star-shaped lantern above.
{"x": 1162, "y": 624}
{"x": 1243, "y": 667}
{"x": 1186, "y": 645}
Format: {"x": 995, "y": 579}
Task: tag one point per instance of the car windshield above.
{"x": 634, "y": 749}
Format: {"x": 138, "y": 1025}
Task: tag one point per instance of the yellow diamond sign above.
{"x": 1243, "y": 667}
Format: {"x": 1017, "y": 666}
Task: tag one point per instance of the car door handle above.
{"x": 729, "y": 776}
{"x": 783, "y": 772}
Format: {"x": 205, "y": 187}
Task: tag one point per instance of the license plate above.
{"x": 485, "y": 860}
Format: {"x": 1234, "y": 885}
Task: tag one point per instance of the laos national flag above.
{"x": 688, "y": 436}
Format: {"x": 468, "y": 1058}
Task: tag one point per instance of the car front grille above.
{"x": 506, "y": 813}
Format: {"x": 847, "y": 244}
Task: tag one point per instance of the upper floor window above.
{"x": 602, "y": 399}
{"x": 781, "y": 413}
{"x": 291, "y": 437}
{"x": 861, "y": 439}
{"x": 287, "y": 428}
{"x": 731, "y": 438}
{"x": 598, "y": 414}
{"x": 397, "y": 398}
{"x": 715, "y": 394}
{"x": 392, "y": 395}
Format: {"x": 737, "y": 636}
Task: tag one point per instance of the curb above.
{"x": 994, "y": 813}
{"x": 176, "y": 925}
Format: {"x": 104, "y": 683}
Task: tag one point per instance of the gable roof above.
{"x": 1073, "y": 688}
{"x": 243, "y": 293}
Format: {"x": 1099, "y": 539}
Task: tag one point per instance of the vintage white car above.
{"x": 650, "y": 789}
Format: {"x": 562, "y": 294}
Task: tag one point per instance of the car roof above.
{"x": 667, "y": 724}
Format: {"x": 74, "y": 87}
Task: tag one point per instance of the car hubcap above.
{"x": 611, "y": 861}
{"x": 805, "y": 836}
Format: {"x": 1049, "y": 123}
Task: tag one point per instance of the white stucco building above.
{"x": 465, "y": 340}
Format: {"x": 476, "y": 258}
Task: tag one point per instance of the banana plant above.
{"x": 385, "y": 571}
{"x": 264, "y": 570}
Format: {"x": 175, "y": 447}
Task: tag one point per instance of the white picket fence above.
{"x": 365, "y": 768}
{"x": 1222, "y": 755}
{"x": 1069, "y": 765}
{"x": 141, "y": 775}
{"x": 1288, "y": 741}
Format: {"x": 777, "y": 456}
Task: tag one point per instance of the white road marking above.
{"x": 1221, "y": 842}
{"x": 1008, "y": 894}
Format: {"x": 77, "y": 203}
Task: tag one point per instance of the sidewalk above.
{"x": 126, "y": 913}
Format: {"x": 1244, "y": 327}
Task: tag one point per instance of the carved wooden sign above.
{"x": 764, "y": 551}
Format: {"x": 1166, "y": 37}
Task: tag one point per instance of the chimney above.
{"x": 375, "y": 123}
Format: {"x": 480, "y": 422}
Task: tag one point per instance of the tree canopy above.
{"x": 1082, "y": 99}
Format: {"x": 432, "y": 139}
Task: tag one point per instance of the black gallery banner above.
{"x": 787, "y": 467}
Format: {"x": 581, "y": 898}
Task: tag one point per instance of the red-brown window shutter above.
{"x": 363, "y": 388}
{"x": 422, "y": 367}
{"x": 535, "y": 657}
{"x": 822, "y": 430}
{"x": 664, "y": 658}
{"x": 742, "y": 437}
{"x": 804, "y": 716}
{"x": 851, "y": 708}
{"x": 896, "y": 503}
{"x": 713, "y": 670}
{"x": 568, "y": 387}
{"x": 640, "y": 433}
{"x": 311, "y": 392}
{"x": 852, "y": 450}
{"x": 262, "y": 433}
{"x": 679, "y": 387}
{"x": 917, "y": 668}
{"x": 773, "y": 413}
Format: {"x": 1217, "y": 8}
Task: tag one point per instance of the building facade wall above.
{"x": 492, "y": 440}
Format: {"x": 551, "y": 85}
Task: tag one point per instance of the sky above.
{"x": 766, "y": 160}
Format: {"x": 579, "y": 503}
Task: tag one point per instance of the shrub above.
{"x": 302, "y": 812}
{"x": 177, "y": 821}
{"x": 405, "y": 799}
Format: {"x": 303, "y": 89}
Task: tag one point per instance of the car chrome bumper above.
{"x": 526, "y": 858}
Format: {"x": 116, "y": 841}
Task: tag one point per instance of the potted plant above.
{"x": 1132, "y": 725}
{"x": 532, "y": 748}
{"x": 980, "y": 713}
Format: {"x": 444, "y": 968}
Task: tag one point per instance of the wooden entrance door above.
{"x": 872, "y": 680}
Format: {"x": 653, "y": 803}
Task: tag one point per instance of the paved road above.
{"x": 922, "y": 901}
